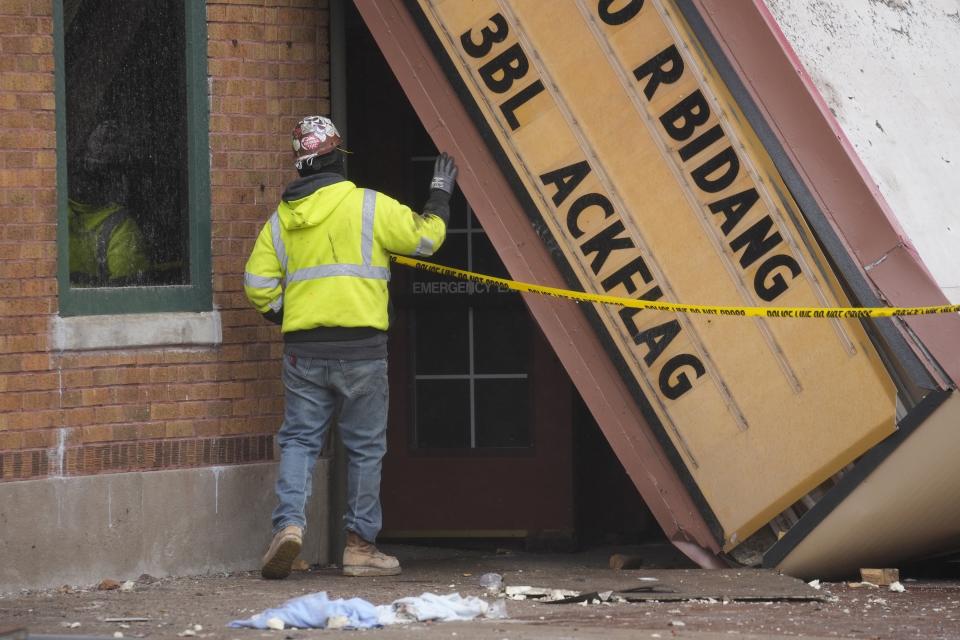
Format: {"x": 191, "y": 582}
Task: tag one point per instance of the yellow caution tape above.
{"x": 710, "y": 310}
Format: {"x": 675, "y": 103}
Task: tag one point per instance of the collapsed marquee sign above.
{"x": 642, "y": 175}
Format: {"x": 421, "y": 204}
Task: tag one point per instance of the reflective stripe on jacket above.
{"x": 323, "y": 260}
{"x": 105, "y": 244}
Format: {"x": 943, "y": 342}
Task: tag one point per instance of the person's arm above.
{"x": 409, "y": 233}
{"x": 263, "y": 277}
{"x": 441, "y": 187}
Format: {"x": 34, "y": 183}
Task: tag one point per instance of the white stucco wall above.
{"x": 889, "y": 70}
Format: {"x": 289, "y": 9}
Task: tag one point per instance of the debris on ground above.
{"x": 317, "y": 611}
{"x": 127, "y": 620}
{"x": 300, "y": 565}
{"x": 880, "y": 577}
{"x": 621, "y": 561}
{"x": 492, "y": 582}
{"x": 108, "y": 585}
{"x": 13, "y": 633}
{"x": 538, "y": 593}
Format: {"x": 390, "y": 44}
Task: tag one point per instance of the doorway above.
{"x": 487, "y": 438}
{"x": 480, "y": 438}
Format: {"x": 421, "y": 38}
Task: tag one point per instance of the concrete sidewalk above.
{"x": 749, "y": 604}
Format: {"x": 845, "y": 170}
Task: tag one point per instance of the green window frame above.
{"x": 196, "y": 296}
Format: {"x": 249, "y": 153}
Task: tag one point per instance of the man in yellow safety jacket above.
{"x": 107, "y": 248}
{"x": 320, "y": 268}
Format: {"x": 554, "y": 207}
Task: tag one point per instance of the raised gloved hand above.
{"x": 444, "y": 173}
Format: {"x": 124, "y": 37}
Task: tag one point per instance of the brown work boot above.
{"x": 283, "y": 550}
{"x": 361, "y": 558}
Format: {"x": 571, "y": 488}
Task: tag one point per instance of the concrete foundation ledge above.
{"x": 80, "y": 530}
{"x": 133, "y": 330}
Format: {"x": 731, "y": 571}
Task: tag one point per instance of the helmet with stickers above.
{"x": 107, "y": 146}
{"x": 312, "y": 137}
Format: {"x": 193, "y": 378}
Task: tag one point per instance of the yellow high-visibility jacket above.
{"x": 323, "y": 260}
{"x": 106, "y": 245}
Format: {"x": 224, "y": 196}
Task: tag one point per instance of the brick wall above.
{"x": 91, "y": 412}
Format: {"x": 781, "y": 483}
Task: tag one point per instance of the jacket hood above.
{"x": 308, "y": 201}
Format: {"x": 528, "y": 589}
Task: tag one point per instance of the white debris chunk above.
{"x": 814, "y": 583}
{"x": 275, "y": 623}
{"x": 896, "y": 586}
{"x": 337, "y": 622}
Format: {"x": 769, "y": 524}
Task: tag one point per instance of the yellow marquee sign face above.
{"x": 642, "y": 171}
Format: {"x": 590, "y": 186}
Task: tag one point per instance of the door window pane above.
{"x": 485, "y": 258}
{"x": 126, "y": 142}
{"x": 501, "y": 338}
{"x": 443, "y": 414}
{"x": 442, "y": 343}
{"x": 503, "y": 416}
{"x": 475, "y": 339}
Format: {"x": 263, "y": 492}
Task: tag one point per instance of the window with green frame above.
{"x": 132, "y": 170}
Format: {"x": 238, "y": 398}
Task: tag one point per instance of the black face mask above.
{"x": 99, "y": 186}
{"x": 330, "y": 163}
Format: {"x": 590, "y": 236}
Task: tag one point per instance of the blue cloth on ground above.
{"x": 313, "y": 610}
{"x": 430, "y": 606}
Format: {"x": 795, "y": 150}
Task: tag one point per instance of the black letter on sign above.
{"x": 620, "y": 15}
{"x": 517, "y": 100}
{"x": 657, "y": 339}
{"x": 734, "y": 208}
{"x": 488, "y": 37}
{"x": 682, "y": 385}
{"x": 726, "y": 160}
{"x": 605, "y": 243}
{"x": 510, "y": 65}
{"x": 701, "y": 142}
{"x": 756, "y": 241}
{"x": 627, "y": 313}
{"x": 680, "y": 121}
{"x": 778, "y": 285}
{"x": 624, "y": 275}
{"x": 666, "y": 66}
{"x": 581, "y": 203}
{"x": 566, "y": 179}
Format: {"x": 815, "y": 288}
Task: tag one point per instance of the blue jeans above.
{"x": 354, "y": 392}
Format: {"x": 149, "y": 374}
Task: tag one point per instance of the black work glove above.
{"x": 444, "y": 173}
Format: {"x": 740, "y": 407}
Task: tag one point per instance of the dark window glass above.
{"x": 443, "y": 414}
{"x": 126, "y": 154}
{"x": 486, "y": 260}
{"x": 442, "y": 341}
{"x": 503, "y": 418}
{"x": 472, "y": 345}
{"x": 501, "y": 338}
